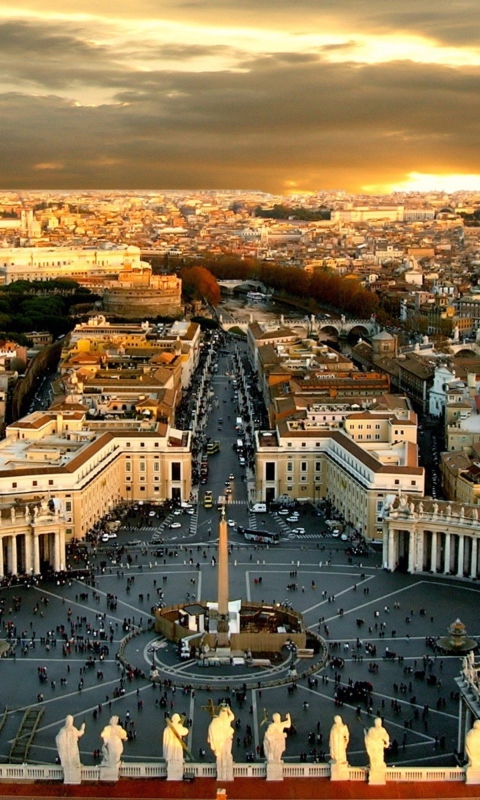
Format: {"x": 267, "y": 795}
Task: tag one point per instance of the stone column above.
{"x": 36, "y": 554}
{"x": 461, "y": 554}
{"x": 421, "y": 548}
{"x": 28, "y": 552}
{"x": 474, "y": 557}
{"x": 411, "y": 551}
{"x": 433, "y": 553}
{"x": 13, "y": 555}
{"x": 447, "y": 552}
{"x": 391, "y": 549}
{"x": 2, "y": 566}
{"x": 56, "y": 551}
{"x": 61, "y": 537}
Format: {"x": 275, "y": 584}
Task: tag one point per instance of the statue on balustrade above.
{"x": 113, "y": 736}
{"x": 174, "y": 746}
{"x": 472, "y": 746}
{"x": 274, "y": 739}
{"x": 68, "y": 752}
{"x": 339, "y": 739}
{"x": 220, "y": 736}
{"x": 376, "y": 742}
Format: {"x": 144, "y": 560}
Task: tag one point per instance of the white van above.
{"x": 259, "y": 508}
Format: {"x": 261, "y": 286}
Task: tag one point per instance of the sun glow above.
{"x": 431, "y": 182}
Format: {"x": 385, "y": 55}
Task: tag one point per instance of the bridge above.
{"x": 308, "y": 325}
{"x": 228, "y": 286}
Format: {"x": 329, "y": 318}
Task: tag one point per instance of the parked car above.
{"x": 175, "y": 525}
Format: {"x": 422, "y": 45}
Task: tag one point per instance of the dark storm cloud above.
{"x": 318, "y": 123}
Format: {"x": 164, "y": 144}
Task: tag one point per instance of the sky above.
{"x": 285, "y": 96}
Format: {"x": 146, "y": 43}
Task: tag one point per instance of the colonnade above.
{"x": 32, "y": 543}
{"x": 417, "y": 548}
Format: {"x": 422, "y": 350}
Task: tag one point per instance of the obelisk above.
{"x": 222, "y": 598}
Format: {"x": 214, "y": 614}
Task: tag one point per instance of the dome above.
{"x": 383, "y": 335}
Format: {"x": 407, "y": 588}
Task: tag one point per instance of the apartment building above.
{"x": 84, "y": 468}
{"x": 307, "y": 461}
{"x": 77, "y": 263}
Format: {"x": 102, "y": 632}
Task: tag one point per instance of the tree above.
{"x": 199, "y": 283}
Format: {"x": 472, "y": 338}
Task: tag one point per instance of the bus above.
{"x": 261, "y": 537}
{"x": 213, "y": 447}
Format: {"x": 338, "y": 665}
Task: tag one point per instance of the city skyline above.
{"x": 364, "y": 97}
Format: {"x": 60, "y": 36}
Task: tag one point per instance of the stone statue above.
{"x": 220, "y": 735}
{"x": 435, "y": 508}
{"x": 376, "y": 740}
{"x": 12, "y": 513}
{"x": 339, "y": 739}
{"x": 27, "y": 512}
{"x": 67, "y": 746}
{"x": 113, "y": 736}
{"x": 475, "y": 515}
{"x": 420, "y": 507}
{"x": 403, "y": 502}
{"x": 448, "y": 510}
{"x": 173, "y": 747}
{"x": 472, "y": 746}
{"x": 274, "y": 739}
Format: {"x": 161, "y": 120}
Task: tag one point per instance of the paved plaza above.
{"x": 382, "y": 610}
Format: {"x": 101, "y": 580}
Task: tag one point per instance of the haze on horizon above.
{"x": 364, "y": 96}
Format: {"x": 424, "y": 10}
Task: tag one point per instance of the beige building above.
{"x": 77, "y": 263}
{"x": 306, "y": 460}
{"x": 85, "y": 468}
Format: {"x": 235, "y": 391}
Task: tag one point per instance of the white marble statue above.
{"x": 339, "y": 739}
{"x": 472, "y": 745}
{"x": 113, "y": 736}
{"x": 376, "y": 741}
{"x": 67, "y": 746}
{"x": 274, "y": 739}
{"x": 173, "y": 747}
{"x": 220, "y": 736}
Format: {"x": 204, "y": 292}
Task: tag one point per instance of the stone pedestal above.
{"x": 339, "y": 772}
{"x": 274, "y": 771}
{"x": 377, "y": 777}
{"x": 175, "y": 771}
{"x": 225, "y": 770}
{"x": 72, "y": 776}
{"x": 108, "y": 773}
{"x": 472, "y": 775}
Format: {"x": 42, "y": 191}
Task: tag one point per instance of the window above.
{"x": 34, "y": 483}
{"x": 128, "y": 466}
{"x": 68, "y": 505}
{"x": 318, "y": 466}
{"x": 413, "y": 483}
{"x": 397, "y": 482}
{"x": 142, "y": 444}
{"x": 303, "y": 466}
{"x": 176, "y": 471}
{"x": 14, "y": 485}
{"x": 289, "y": 466}
{"x": 50, "y": 483}
{"x": 127, "y": 444}
{"x": 156, "y": 466}
{"x": 142, "y": 466}
{"x": 289, "y": 478}
{"x": 270, "y": 471}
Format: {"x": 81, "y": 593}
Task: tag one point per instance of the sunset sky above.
{"x": 278, "y": 95}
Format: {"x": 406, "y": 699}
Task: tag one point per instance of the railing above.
{"x": 53, "y": 772}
